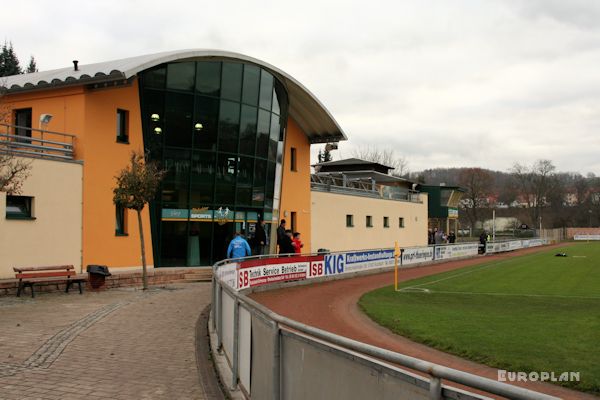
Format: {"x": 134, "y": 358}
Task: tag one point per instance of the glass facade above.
{"x": 217, "y": 128}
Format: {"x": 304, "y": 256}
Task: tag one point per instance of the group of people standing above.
{"x": 289, "y": 242}
{"x": 437, "y": 236}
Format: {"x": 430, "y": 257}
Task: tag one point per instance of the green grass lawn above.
{"x": 532, "y": 313}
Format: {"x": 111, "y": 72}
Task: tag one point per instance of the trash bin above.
{"x": 97, "y": 275}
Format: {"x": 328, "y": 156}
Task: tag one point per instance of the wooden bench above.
{"x": 29, "y": 276}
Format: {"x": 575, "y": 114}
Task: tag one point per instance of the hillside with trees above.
{"x": 526, "y": 192}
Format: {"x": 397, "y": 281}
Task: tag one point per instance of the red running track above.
{"x": 332, "y": 306}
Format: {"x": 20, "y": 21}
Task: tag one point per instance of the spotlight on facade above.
{"x": 45, "y": 119}
{"x": 157, "y": 130}
{"x": 155, "y": 117}
{"x": 198, "y": 126}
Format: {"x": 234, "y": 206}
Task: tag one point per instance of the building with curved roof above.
{"x": 233, "y": 132}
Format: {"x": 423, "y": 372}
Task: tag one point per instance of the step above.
{"x": 207, "y": 276}
{"x": 188, "y": 280}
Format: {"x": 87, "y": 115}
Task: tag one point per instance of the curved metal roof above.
{"x": 312, "y": 116}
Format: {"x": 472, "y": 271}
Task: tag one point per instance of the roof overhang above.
{"x": 309, "y": 113}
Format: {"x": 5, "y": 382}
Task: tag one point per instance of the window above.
{"x": 23, "y": 123}
{"x": 369, "y": 221}
{"x": 121, "y": 221}
{"x": 293, "y": 225}
{"x": 208, "y": 78}
{"x": 349, "y": 220}
{"x": 386, "y": 222}
{"x": 250, "y": 85}
{"x": 122, "y": 126}
{"x": 19, "y": 207}
{"x": 293, "y": 159}
{"x": 401, "y": 222}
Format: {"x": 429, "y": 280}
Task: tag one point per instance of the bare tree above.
{"x": 136, "y": 186}
{"x": 13, "y": 170}
{"x": 535, "y": 185}
{"x": 385, "y": 157}
{"x": 582, "y": 187}
{"x": 479, "y": 185}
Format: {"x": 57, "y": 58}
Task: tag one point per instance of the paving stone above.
{"x": 115, "y": 344}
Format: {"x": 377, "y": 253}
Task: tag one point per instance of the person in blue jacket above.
{"x": 238, "y": 247}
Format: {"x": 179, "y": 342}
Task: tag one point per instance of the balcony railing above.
{"x": 21, "y": 140}
{"x": 361, "y": 187}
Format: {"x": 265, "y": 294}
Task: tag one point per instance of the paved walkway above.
{"x": 116, "y": 344}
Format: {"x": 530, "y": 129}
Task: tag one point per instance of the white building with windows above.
{"x": 357, "y": 204}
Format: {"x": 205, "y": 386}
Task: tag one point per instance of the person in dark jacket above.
{"x": 482, "y": 241}
{"x": 451, "y": 237}
{"x": 280, "y": 234}
{"x": 287, "y": 246}
{"x": 260, "y": 238}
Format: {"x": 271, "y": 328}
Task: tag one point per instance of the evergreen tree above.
{"x": 32, "y": 66}
{"x": 9, "y": 63}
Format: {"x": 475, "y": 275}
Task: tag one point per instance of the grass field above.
{"x": 537, "y": 312}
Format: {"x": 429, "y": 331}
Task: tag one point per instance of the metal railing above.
{"x": 360, "y": 187}
{"x": 227, "y": 323}
{"x": 21, "y": 140}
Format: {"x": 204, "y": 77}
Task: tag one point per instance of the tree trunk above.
{"x": 144, "y": 274}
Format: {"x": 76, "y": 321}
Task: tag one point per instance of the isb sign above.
{"x": 334, "y": 264}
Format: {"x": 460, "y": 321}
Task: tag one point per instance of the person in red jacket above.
{"x": 297, "y": 243}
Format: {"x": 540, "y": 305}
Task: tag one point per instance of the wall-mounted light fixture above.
{"x": 157, "y": 130}
{"x": 198, "y": 126}
{"x": 44, "y": 120}
{"x": 155, "y": 117}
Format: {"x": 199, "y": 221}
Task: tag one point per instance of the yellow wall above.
{"x": 103, "y": 160}
{"x": 66, "y": 106}
{"x": 91, "y": 116}
{"x": 295, "y": 190}
{"x": 54, "y": 237}
{"x": 329, "y": 229}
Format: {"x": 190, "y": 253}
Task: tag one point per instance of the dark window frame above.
{"x": 293, "y": 159}
{"x": 369, "y": 221}
{"x": 294, "y": 221}
{"x": 349, "y": 221}
{"x": 120, "y": 221}
{"x": 401, "y": 222}
{"x": 21, "y": 129}
{"x": 386, "y": 222}
{"x": 122, "y": 126}
{"x": 24, "y": 203}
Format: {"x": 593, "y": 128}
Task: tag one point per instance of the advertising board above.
{"x": 259, "y": 272}
{"x": 227, "y": 273}
{"x": 586, "y": 237}
{"x": 417, "y": 255}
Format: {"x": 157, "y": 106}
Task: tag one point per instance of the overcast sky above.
{"x": 443, "y": 83}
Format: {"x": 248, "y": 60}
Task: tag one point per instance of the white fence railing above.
{"x": 274, "y": 357}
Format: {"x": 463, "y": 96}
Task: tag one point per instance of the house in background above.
{"x": 357, "y": 204}
{"x": 443, "y": 202}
